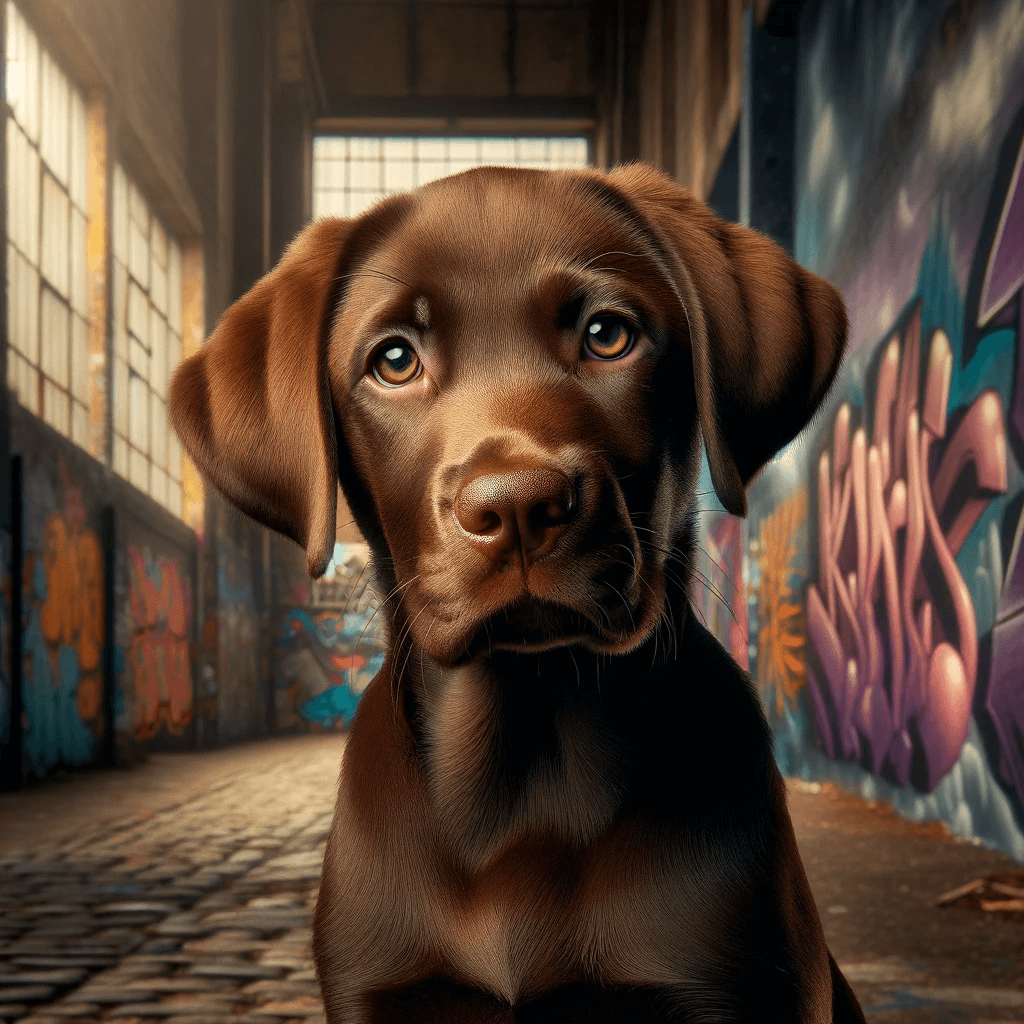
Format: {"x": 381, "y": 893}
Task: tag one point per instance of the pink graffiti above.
{"x": 891, "y": 618}
{"x": 159, "y": 654}
{"x": 720, "y": 594}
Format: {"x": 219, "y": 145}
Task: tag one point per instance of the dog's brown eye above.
{"x": 396, "y": 363}
{"x": 608, "y": 337}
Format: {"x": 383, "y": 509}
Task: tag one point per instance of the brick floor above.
{"x": 181, "y": 892}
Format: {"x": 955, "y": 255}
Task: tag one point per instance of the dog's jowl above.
{"x": 558, "y": 799}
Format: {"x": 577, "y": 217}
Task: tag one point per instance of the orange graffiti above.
{"x": 780, "y": 640}
{"x": 72, "y": 614}
{"x": 159, "y": 656}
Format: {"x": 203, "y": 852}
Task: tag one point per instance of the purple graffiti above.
{"x": 1001, "y": 302}
{"x": 891, "y": 618}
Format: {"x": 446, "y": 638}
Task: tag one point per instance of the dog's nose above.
{"x": 528, "y": 508}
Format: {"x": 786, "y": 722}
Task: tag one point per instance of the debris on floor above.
{"x": 1001, "y": 892}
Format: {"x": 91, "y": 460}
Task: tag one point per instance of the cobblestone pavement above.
{"x": 196, "y": 913}
{"x": 181, "y": 893}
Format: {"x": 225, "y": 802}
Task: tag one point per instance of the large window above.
{"x": 350, "y": 173}
{"x": 47, "y": 312}
{"x": 147, "y": 344}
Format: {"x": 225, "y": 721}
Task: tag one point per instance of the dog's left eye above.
{"x": 608, "y": 336}
{"x": 396, "y": 363}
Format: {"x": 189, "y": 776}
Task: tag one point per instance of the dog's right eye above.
{"x": 396, "y": 363}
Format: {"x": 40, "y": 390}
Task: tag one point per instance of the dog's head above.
{"x": 510, "y": 371}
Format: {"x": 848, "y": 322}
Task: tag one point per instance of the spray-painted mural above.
{"x": 891, "y": 619}
{"x": 62, "y": 640}
{"x": 327, "y": 651}
{"x": 718, "y": 593}
{"x": 912, "y": 608}
{"x": 781, "y": 669}
{"x": 158, "y": 687}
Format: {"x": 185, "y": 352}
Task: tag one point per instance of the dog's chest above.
{"x": 505, "y": 940}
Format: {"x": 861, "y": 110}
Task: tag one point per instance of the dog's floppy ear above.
{"x": 767, "y": 335}
{"x": 253, "y": 406}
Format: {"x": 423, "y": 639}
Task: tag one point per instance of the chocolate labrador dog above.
{"x": 559, "y": 800}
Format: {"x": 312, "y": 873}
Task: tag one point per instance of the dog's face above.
{"x": 512, "y": 370}
{"x": 494, "y": 366}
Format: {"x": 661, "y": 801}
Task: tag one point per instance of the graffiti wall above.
{"x": 155, "y": 696}
{"x": 328, "y": 646}
{"x": 63, "y": 618}
{"x": 886, "y": 544}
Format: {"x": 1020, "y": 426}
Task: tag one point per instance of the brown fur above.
{"x": 558, "y": 799}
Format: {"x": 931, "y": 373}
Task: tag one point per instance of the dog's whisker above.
{"x": 380, "y": 604}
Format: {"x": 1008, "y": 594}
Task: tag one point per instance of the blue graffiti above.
{"x": 56, "y": 733}
{"x": 327, "y": 707}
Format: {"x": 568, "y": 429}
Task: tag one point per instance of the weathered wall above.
{"x": 154, "y": 630}
{"x": 74, "y": 714}
{"x": 886, "y": 568}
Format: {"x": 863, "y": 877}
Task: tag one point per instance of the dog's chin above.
{"x": 534, "y": 625}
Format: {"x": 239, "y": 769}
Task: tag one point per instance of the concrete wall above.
{"x": 886, "y": 567}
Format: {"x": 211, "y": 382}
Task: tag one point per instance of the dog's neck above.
{"x": 522, "y": 747}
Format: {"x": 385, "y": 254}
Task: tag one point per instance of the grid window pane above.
{"x": 138, "y": 253}
{"x": 147, "y": 344}
{"x": 432, "y": 149}
{"x": 120, "y": 456}
{"x": 174, "y": 289}
{"x": 138, "y": 312}
{"x": 364, "y": 174}
{"x": 79, "y": 424}
{"x": 55, "y": 127}
{"x": 120, "y": 398}
{"x": 78, "y": 152}
{"x": 157, "y": 352}
{"x": 80, "y": 359}
{"x": 120, "y": 310}
{"x": 55, "y": 339}
{"x": 55, "y": 407}
{"x": 399, "y": 175}
{"x": 47, "y": 277}
{"x": 158, "y": 432}
{"x": 56, "y": 231}
{"x": 79, "y": 271}
{"x": 119, "y": 221}
{"x": 158, "y": 484}
{"x": 138, "y": 469}
{"x": 352, "y": 173}
{"x": 138, "y": 413}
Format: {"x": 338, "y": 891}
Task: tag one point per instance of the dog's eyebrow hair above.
{"x": 370, "y": 272}
{"x": 614, "y": 201}
{"x": 421, "y": 312}
{"x": 634, "y": 221}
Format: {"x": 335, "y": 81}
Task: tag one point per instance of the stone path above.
{"x": 181, "y": 893}
{"x": 198, "y": 913}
